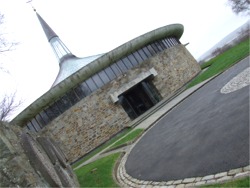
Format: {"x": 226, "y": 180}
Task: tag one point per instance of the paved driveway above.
{"x": 205, "y": 134}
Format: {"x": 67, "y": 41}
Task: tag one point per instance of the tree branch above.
{"x": 8, "y": 105}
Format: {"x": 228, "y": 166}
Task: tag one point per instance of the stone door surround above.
{"x": 142, "y": 76}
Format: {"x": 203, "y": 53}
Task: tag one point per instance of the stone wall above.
{"x": 30, "y": 161}
{"x": 175, "y": 67}
{"x": 95, "y": 119}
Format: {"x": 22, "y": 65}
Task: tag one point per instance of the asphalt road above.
{"x": 205, "y": 134}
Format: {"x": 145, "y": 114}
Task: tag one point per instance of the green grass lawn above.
{"x": 102, "y": 147}
{"x": 236, "y": 183}
{"x": 222, "y": 62}
{"x": 98, "y": 173}
{"x": 129, "y": 138}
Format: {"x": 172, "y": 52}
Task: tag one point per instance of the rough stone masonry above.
{"x": 27, "y": 160}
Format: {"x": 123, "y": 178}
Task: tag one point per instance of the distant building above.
{"x": 94, "y": 98}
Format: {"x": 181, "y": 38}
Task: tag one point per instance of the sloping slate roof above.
{"x": 175, "y": 30}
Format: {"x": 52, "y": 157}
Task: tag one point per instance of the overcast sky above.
{"x": 97, "y": 26}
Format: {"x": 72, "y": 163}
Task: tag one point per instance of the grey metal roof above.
{"x": 69, "y": 65}
{"x": 68, "y": 62}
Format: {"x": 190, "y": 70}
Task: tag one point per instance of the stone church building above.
{"x": 96, "y": 97}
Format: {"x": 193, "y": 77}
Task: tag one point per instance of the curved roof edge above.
{"x": 87, "y": 71}
{"x": 70, "y": 64}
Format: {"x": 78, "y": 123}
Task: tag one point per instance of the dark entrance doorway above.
{"x": 139, "y": 98}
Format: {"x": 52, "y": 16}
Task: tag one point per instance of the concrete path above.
{"x": 145, "y": 124}
{"x": 205, "y": 134}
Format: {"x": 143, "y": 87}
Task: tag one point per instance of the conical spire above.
{"x": 61, "y": 51}
{"x": 46, "y": 28}
{"x": 68, "y": 62}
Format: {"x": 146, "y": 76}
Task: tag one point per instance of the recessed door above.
{"x": 139, "y": 99}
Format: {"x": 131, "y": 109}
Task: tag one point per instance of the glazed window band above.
{"x": 99, "y": 79}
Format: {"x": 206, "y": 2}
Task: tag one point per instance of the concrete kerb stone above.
{"x": 208, "y": 177}
{"x": 219, "y": 175}
{"x": 188, "y": 180}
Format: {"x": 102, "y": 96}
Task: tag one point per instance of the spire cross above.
{"x": 30, "y": 3}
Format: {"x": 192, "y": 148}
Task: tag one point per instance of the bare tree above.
{"x": 216, "y": 52}
{"x": 7, "y": 103}
{"x": 244, "y": 34}
{"x": 7, "y": 106}
{"x": 5, "y": 45}
{"x": 240, "y": 6}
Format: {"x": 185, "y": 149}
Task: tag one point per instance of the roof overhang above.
{"x": 173, "y": 30}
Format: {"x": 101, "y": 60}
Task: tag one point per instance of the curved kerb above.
{"x": 125, "y": 180}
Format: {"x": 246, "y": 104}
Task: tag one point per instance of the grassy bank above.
{"x": 223, "y": 61}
